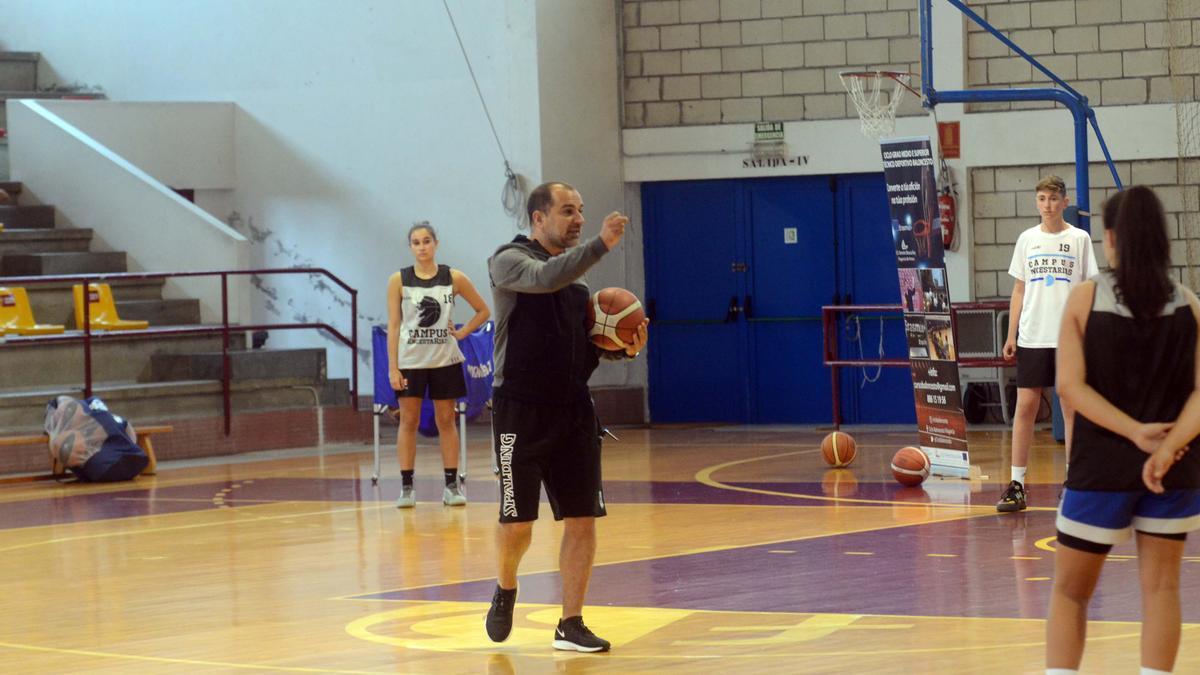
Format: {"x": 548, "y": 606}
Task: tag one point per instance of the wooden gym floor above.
{"x": 727, "y": 549}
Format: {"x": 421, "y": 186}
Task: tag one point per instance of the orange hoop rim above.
{"x": 900, "y": 76}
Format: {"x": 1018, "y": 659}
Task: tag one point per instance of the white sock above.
{"x": 1153, "y": 671}
{"x": 1061, "y": 671}
{"x": 1018, "y": 474}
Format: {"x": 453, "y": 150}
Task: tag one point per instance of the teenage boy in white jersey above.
{"x": 1048, "y": 261}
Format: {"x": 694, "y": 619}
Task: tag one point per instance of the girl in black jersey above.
{"x": 424, "y": 358}
{"x": 1127, "y": 362}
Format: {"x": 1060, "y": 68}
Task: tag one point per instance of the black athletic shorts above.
{"x": 1035, "y": 367}
{"x": 446, "y": 382}
{"x": 555, "y": 445}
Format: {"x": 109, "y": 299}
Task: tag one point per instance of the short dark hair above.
{"x": 422, "y": 225}
{"x": 542, "y": 198}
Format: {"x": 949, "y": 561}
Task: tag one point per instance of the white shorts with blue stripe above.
{"x": 1111, "y": 517}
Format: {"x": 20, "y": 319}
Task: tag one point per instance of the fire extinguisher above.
{"x": 946, "y": 213}
{"x": 946, "y": 205}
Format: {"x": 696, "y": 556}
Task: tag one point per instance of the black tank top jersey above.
{"x": 1145, "y": 368}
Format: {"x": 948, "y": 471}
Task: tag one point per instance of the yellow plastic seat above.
{"x": 16, "y": 315}
{"x": 102, "y": 315}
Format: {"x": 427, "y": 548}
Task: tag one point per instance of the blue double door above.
{"x": 736, "y": 274}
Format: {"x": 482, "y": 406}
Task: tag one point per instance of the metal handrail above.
{"x": 831, "y": 357}
{"x": 86, "y": 335}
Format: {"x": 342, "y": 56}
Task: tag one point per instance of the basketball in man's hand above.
{"x": 614, "y": 314}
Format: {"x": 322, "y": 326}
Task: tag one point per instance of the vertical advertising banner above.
{"x": 908, "y": 170}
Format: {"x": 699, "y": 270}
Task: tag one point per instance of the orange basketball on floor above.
{"x": 838, "y": 449}
{"x": 910, "y": 466}
{"x": 614, "y": 314}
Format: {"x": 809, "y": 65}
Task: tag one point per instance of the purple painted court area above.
{"x": 961, "y": 568}
{"x": 153, "y": 500}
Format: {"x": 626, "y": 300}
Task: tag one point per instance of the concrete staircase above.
{"x": 149, "y": 377}
{"x": 152, "y": 378}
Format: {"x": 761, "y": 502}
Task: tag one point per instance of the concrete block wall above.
{"x": 1004, "y": 206}
{"x": 692, "y": 62}
{"x": 1115, "y": 52}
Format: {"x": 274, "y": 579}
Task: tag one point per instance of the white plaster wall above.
{"x": 579, "y": 101}
{"x": 353, "y": 121}
{"x": 183, "y": 145}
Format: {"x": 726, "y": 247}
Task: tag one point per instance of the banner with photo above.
{"x": 909, "y": 171}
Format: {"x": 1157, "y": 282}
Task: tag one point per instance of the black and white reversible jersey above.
{"x": 1145, "y": 368}
{"x": 425, "y": 338}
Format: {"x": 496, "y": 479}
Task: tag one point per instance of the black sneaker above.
{"x": 1013, "y": 498}
{"x": 499, "y": 616}
{"x": 572, "y": 635}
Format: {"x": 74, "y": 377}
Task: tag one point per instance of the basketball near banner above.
{"x": 909, "y": 169}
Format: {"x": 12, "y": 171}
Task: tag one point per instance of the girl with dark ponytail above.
{"x": 1135, "y": 217}
{"x": 1127, "y": 362}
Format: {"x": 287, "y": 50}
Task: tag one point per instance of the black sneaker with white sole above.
{"x": 1013, "y": 498}
{"x": 500, "y": 615}
{"x": 571, "y": 635}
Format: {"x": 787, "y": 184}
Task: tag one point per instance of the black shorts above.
{"x": 442, "y": 383}
{"x": 1035, "y": 367}
{"x": 551, "y": 444}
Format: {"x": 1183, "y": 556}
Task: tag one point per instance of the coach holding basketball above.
{"x": 543, "y": 418}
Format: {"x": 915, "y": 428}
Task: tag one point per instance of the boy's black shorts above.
{"x": 1035, "y": 367}
{"x": 558, "y": 445}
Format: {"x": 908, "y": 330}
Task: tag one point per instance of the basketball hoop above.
{"x": 876, "y": 109}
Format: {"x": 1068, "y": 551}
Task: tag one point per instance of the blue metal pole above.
{"x": 926, "y": 20}
{"x": 1006, "y": 95}
{"x": 1082, "y": 188}
{"x": 1104, "y": 148}
{"x": 1079, "y": 111}
{"x": 1012, "y": 45}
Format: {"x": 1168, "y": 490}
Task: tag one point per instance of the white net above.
{"x": 876, "y": 107}
{"x": 1184, "y": 63}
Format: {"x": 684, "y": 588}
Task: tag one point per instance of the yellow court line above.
{"x": 188, "y": 662}
{"x": 242, "y": 516}
{"x": 297, "y": 669}
{"x": 204, "y": 500}
{"x": 1044, "y": 544}
{"x": 704, "y": 476}
{"x": 663, "y": 556}
{"x": 356, "y": 629}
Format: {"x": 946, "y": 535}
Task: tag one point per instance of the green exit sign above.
{"x": 768, "y": 131}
